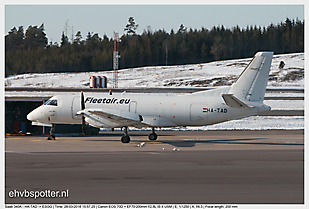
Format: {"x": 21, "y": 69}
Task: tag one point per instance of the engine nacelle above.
{"x": 99, "y": 122}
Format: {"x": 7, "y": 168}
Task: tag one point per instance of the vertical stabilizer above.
{"x": 251, "y": 84}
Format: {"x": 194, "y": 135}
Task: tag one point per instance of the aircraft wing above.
{"x": 120, "y": 118}
{"x": 112, "y": 118}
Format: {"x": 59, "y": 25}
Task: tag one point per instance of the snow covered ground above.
{"x": 199, "y": 75}
{"x": 286, "y": 104}
{"x": 250, "y": 123}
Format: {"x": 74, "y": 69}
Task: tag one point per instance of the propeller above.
{"x": 82, "y": 100}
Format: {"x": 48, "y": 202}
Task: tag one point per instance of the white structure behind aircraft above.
{"x": 244, "y": 98}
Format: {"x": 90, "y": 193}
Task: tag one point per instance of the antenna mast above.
{"x": 116, "y": 56}
{"x": 72, "y": 35}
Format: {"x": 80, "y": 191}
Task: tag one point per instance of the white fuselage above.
{"x": 244, "y": 98}
{"x": 197, "y": 109}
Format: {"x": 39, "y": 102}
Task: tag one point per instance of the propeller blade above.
{"x": 83, "y": 125}
{"x": 82, "y": 100}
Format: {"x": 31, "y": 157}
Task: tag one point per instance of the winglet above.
{"x": 232, "y": 101}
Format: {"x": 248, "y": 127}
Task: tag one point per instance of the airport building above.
{"x": 19, "y": 104}
{"x": 16, "y": 111}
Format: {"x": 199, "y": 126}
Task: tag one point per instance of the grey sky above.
{"x": 104, "y": 19}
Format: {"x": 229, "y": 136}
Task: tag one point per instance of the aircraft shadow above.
{"x": 244, "y": 141}
{"x": 105, "y": 136}
{"x": 192, "y": 143}
{"x": 131, "y": 134}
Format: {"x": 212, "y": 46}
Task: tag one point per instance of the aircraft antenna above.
{"x": 116, "y": 56}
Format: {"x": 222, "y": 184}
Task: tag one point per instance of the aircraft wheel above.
{"x": 125, "y": 139}
{"x": 152, "y": 136}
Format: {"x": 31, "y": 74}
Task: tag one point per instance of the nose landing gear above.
{"x": 51, "y": 133}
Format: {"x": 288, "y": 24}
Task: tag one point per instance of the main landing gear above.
{"x": 152, "y": 136}
{"x": 51, "y": 133}
{"x": 126, "y": 138}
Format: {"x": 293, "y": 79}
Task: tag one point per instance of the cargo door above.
{"x": 197, "y": 112}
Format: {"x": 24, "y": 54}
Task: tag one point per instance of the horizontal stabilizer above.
{"x": 232, "y": 101}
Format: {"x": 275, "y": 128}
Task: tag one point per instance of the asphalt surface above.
{"x": 213, "y": 167}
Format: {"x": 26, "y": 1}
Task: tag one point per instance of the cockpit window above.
{"x": 51, "y": 102}
{"x": 46, "y": 103}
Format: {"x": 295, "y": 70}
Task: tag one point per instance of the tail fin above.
{"x": 251, "y": 84}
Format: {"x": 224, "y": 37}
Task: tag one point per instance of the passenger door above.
{"x": 132, "y": 107}
{"x": 76, "y": 106}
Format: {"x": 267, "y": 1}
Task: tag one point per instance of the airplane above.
{"x": 242, "y": 99}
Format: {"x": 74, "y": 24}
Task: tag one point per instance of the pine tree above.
{"x": 78, "y": 38}
{"x": 15, "y": 39}
{"x": 182, "y": 29}
{"x": 29, "y": 52}
{"x": 64, "y": 40}
{"x": 35, "y": 37}
{"x": 131, "y": 26}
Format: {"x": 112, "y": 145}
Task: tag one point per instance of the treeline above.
{"x": 30, "y": 51}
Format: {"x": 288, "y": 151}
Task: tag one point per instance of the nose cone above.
{"x": 35, "y": 114}
{"x": 31, "y": 116}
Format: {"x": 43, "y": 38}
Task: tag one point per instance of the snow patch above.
{"x": 216, "y": 73}
{"x": 250, "y": 123}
